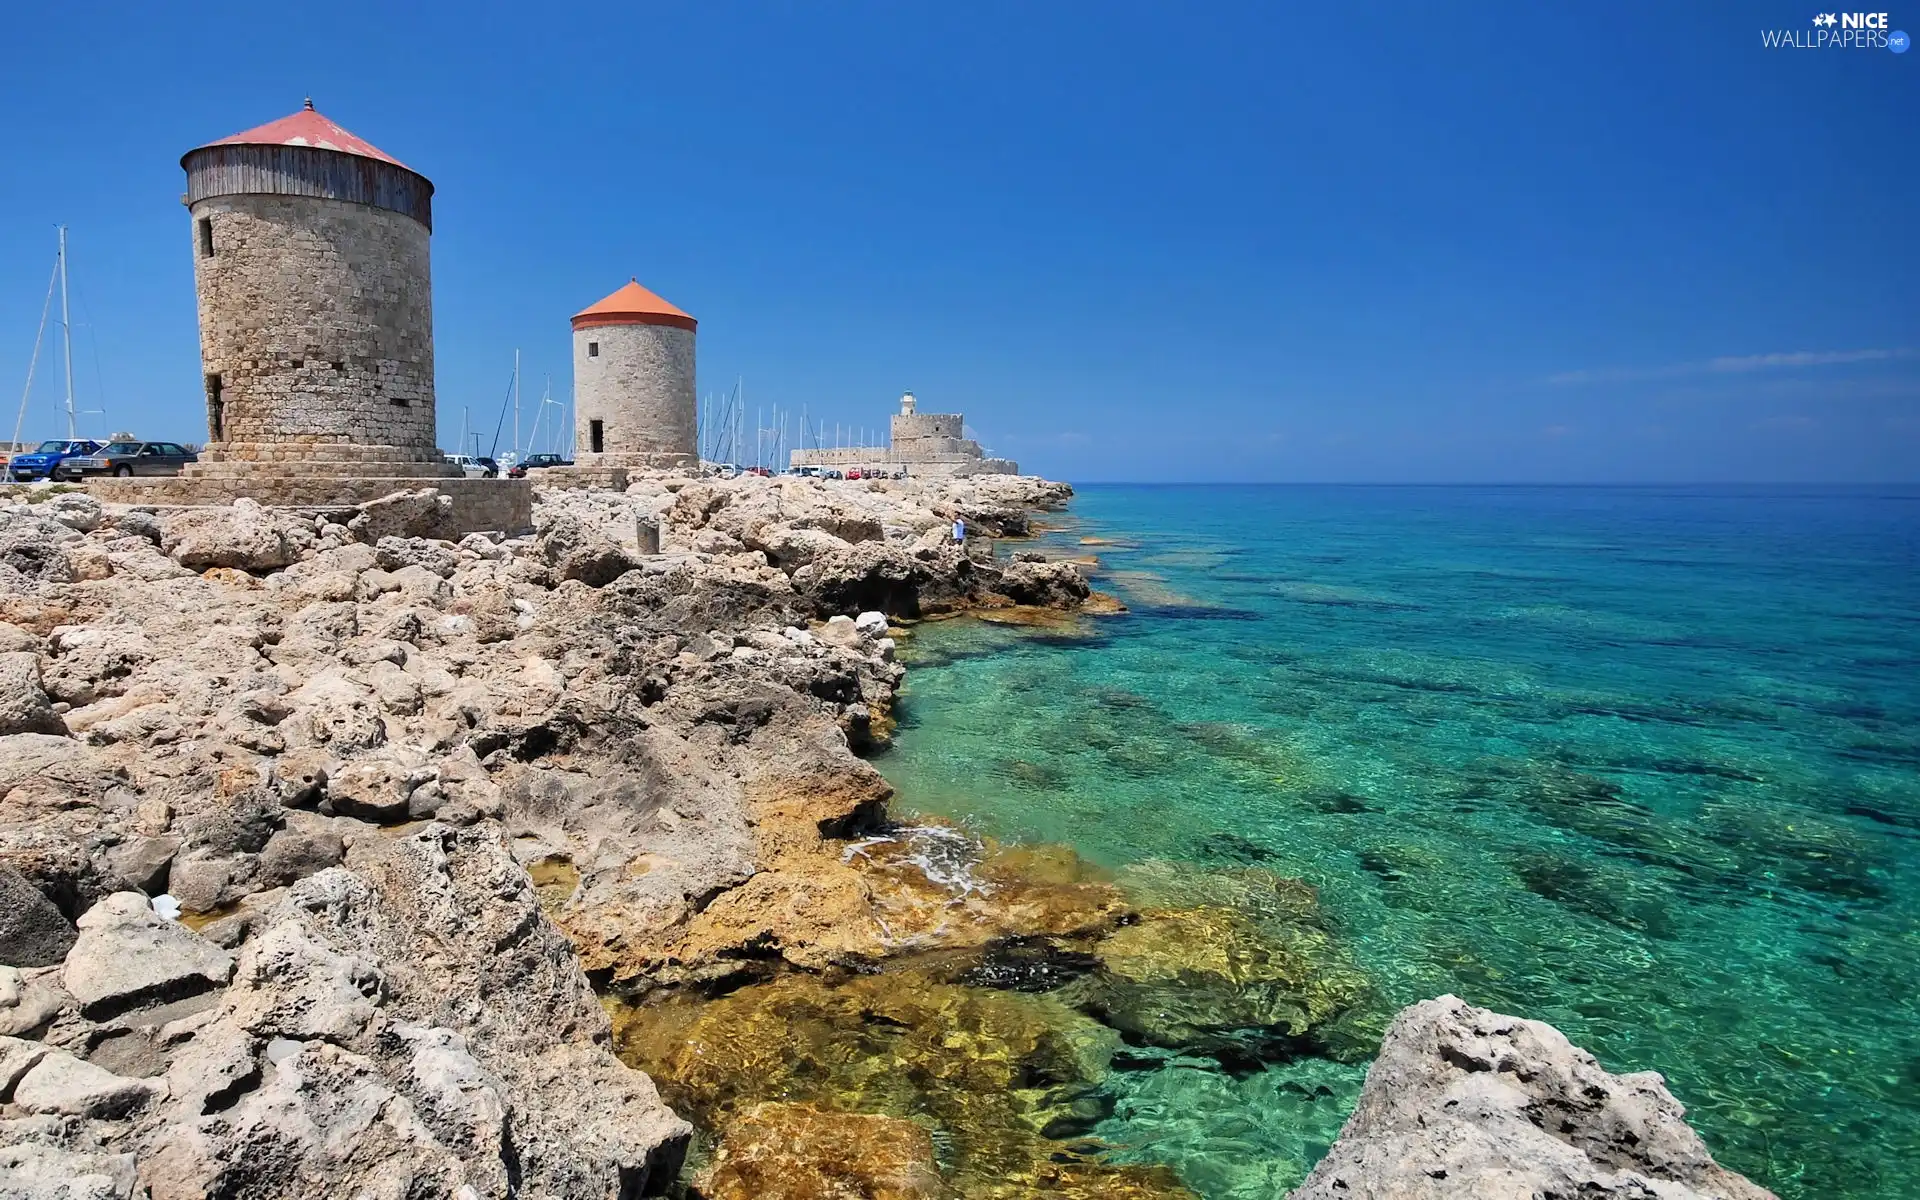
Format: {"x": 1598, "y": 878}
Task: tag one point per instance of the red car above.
{"x": 855, "y": 474}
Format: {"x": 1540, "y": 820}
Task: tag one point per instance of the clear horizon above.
{"x": 1510, "y": 245}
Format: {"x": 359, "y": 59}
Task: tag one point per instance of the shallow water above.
{"x": 1643, "y": 763}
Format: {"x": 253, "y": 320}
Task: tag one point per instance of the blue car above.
{"x": 39, "y": 463}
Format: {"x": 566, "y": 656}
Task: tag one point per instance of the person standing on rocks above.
{"x": 960, "y": 532}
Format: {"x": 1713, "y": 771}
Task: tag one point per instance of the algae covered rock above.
{"x": 996, "y": 1073}
{"x": 1212, "y": 980}
{"x": 1236, "y": 964}
{"x": 799, "y": 1152}
{"x": 861, "y": 1079}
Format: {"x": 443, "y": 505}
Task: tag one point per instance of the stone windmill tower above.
{"x": 633, "y": 395}
{"x": 310, "y": 252}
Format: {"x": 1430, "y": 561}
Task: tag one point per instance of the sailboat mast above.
{"x": 516, "y": 403}
{"x": 39, "y": 336}
{"x": 66, "y": 328}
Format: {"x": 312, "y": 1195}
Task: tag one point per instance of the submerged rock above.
{"x": 798, "y": 1152}
{"x": 1466, "y": 1102}
{"x": 998, "y": 1074}
{"x": 1237, "y": 964}
{"x": 1212, "y": 980}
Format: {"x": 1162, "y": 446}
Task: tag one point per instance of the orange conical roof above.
{"x": 632, "y": 305}
{"x": 308, "y": 128}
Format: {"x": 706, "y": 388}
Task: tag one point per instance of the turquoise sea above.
{"x": 1640, "y": 762}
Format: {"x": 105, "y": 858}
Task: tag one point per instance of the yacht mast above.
{"x": 39, "y": 336}
{"x": 66, "y": 327}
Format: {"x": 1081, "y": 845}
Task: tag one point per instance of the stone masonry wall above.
{"x": 479, "y": 505}
{"x": 640, "y": 388}
{"x": 910, "y": 426}
{"x": 914, "y": 462}
{"x": 317, "y": 316}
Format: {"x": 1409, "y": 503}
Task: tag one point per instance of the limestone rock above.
{"x": 300, "y": 777}
{"x": 574, "y": 549}
{"x": 40, "y": 771}
{"x": 60, "y": 1083}
{"x": 17, "y": 1057}
{"x": 290, "y": 984}
{"x": 75, "y": 510}
{"x": 294, "y": 854}
{"x": 204, "y": 880}
{"x": 422, "y": 512}
{"x": 92, "y": 662}
{"x": 127, "y": 955}
{"x": 394, "y": 553}
{"x": 28, "y": 1000}
{"x": 24, "y": 707}
{"x": 135, "y": 522}
{"x": 840, "y": 631}
{"x": 654, "y": 729}
{"x": 375, "y": 788}
{"x": 243, "y": 535}
{"x": 1466, "y": 1102}
{"x": 427, "y": 1029}
{"x": 216, "y": 1067}
{"x": 61, "y": 1158}
{"x": 140, "y": 864}
{"x": 33, "y": 932}
{"x": 34, "y": 546}
{"x": 324, "y": 1116}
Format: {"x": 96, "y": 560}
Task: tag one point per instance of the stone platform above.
{"x": 479, "y": 505}
{"x": 612, "y": 479}
{"x": 233, "y": 460}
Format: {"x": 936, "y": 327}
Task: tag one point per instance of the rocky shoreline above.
{"x": 462, "y": 832}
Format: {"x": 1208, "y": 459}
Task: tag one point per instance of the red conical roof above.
{"x": 308, "y": 128}
{"x": 632, "y": 305}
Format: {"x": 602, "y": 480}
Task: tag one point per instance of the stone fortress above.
{"x": 314, "y": 286}
{"x": 920, "y": 443}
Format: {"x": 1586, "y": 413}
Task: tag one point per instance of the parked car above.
{"x": 854, "y": 473}
{"x": 40, "y": 462}
{"x": 835, "y": 475}
{"x": 762, "y": 472}
{"x": 474, "y": 467}
{"x": 534, "y": 462}
{"x": 128, "y": 458}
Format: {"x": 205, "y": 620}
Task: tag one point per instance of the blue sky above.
{"x": 1536, "y": 242}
